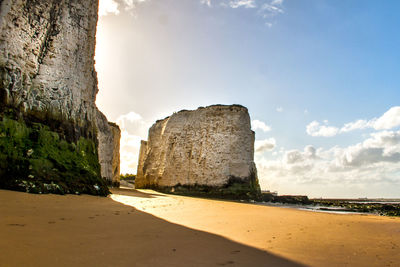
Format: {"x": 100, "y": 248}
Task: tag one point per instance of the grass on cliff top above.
{"x": 35, "y": 159}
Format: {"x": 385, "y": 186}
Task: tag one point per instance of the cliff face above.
{"x": 115, "y": 162}
{"x": 48, "y": 87}
{"x": 47, "y": 56}
{"x": 108, "y": 136}
{"x": 207, "y": 150}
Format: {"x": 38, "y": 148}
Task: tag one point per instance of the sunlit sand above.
{"x": 146, "y": 228}
{"x": 317, "y": 239}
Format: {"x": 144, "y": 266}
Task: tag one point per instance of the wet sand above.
{"x": 145, "y": 228}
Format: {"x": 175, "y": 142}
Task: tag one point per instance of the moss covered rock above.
{"x": 33, "y": 158}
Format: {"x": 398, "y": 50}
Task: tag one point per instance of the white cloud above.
{"x": 206, "y": 2}
{"x": 273, "y": 7}
{"x": 314, "y": 128}
{"x": 374, "y": 162}
{"x": 270, "y": 10}
{"x": 296, "y": 156}
{"x": 131, "y": 116}
{"x": 264, "y": 145}
{"x": 389, "y": 120}
{"x": 130, "y": 4}
{"x": 133, "y": 129}
{"x": 242, "y": 3}
{"x": 108, "y": 7}
{"x": 266, "y": 9}
{"x": 259, "y": 125}
{"x": 381, "y": 147}
{"x": 279, "y": 109}
{"x": 129, "y": 151}
{"x": 359, "y": 124}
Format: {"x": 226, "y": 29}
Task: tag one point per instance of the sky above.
{"x": 320, "y": 78}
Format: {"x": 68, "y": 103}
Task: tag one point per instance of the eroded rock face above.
{"x": 48, "y": 84}
{"x": 109, "y": 136}
{"x": 209, "y": 149}
{"x": 47, "y": 56}
{"x": 116, "y": 133}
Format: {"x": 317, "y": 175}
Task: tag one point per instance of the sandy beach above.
{"x": 146, "y": 228}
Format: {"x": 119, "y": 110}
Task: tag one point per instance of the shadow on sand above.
{"x": 94, "y": 231}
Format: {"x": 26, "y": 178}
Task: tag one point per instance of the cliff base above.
{"x": 37, "y": 159}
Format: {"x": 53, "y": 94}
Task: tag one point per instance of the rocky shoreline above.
{"x": 252, "y": 196}
{"x": 385, "y": 209}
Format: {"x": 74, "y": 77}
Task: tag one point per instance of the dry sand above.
{"x": 152, "y": 229}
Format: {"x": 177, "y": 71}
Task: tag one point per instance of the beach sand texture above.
{"x": 145, "y": 228}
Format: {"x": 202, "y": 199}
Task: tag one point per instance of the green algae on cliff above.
{"x": 53, "y": 138}
{"x": 35, "y": 159}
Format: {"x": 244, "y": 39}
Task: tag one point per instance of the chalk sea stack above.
{"x": 208, "y": 151}
{"x": 52, "y": 136}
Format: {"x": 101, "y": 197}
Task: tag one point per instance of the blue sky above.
{"x": 303, "y": 68}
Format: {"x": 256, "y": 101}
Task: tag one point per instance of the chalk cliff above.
{"x": 48, "y": 87}
{"x": 108, "y": 136}
{"x": 208, "y": 150}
